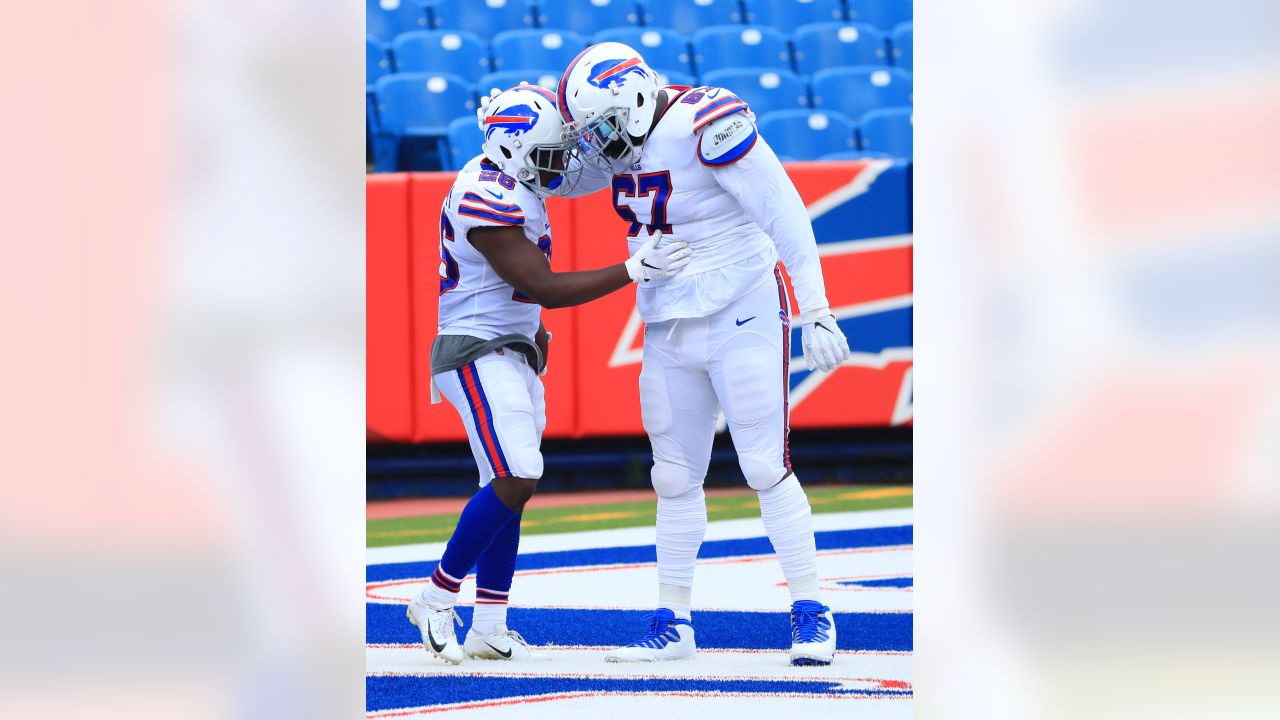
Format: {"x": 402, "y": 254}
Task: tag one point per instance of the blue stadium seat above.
{"x": 384, "y": 19}
{"x": 587, "y": 16}
{"x": 787, "y": 15}
{"x": 414, "y": 111}
{"x": 661, "y": 48}
{"x": 902, "y": 45}
{"x": 884, "y": 14}
{"x": 376, "y": 63}
{"x": 720, "y": 48}
{"x": 887, "y": 130}
{"x": 515, "y": 49}
{"x": 688, "y": 16}
{"x": 764, "y": 90}
{"x": 675, "y": 77}
{"x": 807, "y": 135}
{"x": 856, "y": 90}
{"x": 828, "y": 45}
{"x": 465, "y": 139}
{"x": 482, "y": 17}
{"x": 460, "y": 53}
{"x": 856, "y": 155}
{"x": 546, "y": 77}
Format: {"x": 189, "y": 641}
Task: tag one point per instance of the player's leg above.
{"x": 749, "y": 367}
{"x": 489, "y": 637}
{"x": 679, "y": 410}
{"x": 493, "y": 400}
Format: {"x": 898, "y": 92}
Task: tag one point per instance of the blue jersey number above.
{"x": 448, "y": 266}
{"x": 648, "y": 196}
{"x": 544, "y": 244}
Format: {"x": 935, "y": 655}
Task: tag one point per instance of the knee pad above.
{"x": 669, "y": 479}
{"x": 761, "y": 473}
{"x": 525, "y": 463}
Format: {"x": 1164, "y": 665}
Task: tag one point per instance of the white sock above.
{"x": 486, "y": 617}
{"x": 789, "y": 523}
{"x": 676, "y": 599}
{"x": 682, "y": 521}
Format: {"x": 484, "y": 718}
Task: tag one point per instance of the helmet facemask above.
{"x": 603, "y": 141}
{"x": 549, "y": 169}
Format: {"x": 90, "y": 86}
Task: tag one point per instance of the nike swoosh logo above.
{"x": 648, "y": 265}
{"x": 493, "y": 193}
{"x": 744, "y": 322}
{"x": 824, "y": 327}
{"x": 431, "y": 639}
{"x": 506, "y": 654}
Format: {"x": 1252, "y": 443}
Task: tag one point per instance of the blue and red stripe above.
{"x": 562, "y": 99}
{"x": 490, "y": 597}
{"x": 444, "y": 581}
{"x": 483, "y": 418}
{"x": 500, "y": 207}
{"x": 726, "y": 100}
{"x": 484, "y": 213}
{"x": 785, "y": 314}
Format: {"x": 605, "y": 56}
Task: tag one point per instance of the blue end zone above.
{"x": 387, "y": 693}
{"x": 385, "y": 623}
{"x": 827, "y": 540}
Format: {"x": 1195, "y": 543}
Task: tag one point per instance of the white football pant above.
{"x": 736, "y": 359}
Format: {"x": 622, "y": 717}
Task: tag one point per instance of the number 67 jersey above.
{"x": 474, "y": 299}
{"x": 680, "y": 187}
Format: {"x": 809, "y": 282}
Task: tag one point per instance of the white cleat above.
{"x": 813, "y": 633}
{"x": 435, "y": 621}
{"x": 501, "y": 644}
{"x": 669, "y": 638}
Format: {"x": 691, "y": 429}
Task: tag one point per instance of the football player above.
{"x": 495, "y": 277}
{"x": 690, "y": 164}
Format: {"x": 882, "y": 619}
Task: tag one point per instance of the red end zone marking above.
{"x": 681, "y": 693}
{"x": 606, "y": 648}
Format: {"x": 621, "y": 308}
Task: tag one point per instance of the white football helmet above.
{"x": 524, "y": 137}
{"x": 608, "y": 97}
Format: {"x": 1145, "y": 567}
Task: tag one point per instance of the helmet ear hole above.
{"x": 506, "y": 152}
{"x": 639, "y": 99}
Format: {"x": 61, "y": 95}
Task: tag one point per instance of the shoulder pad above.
{"x": 726, "y": 139}
{"x": 712, "y": 103}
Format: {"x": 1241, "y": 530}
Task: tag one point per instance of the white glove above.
{"x": 650, "y": 262}
{"x": 484, "y": 103}
{"x": 825, "y": 347}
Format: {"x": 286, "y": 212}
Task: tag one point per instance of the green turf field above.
{"x": 538, "y": 521}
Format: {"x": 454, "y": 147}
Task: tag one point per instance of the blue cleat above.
{"x": 669, "y": 638}
{"x": 813, "y": 633}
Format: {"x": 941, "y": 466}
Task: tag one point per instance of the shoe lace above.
{"x": 516, "y": 637}
{"x": 658, "y": 630}
{"x": 806, "y": 622}
{"x": 453, "y": 613}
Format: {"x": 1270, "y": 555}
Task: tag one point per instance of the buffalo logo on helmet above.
{"x": 514, "y": 120}
{"x": 614, "y": 72}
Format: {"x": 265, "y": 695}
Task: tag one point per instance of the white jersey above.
{"x": 474, "y": 300}
{"x": 706, "y": 177}
{"x": 672, "y": 189}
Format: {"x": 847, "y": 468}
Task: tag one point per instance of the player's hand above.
{"x": 825, "y": 347}
{"x": 484, "y": 103}
{"x": 651, "y": 262}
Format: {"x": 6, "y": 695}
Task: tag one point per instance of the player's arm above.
{"x": 747, "y": 168}
{"x": 523, "y": 266}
